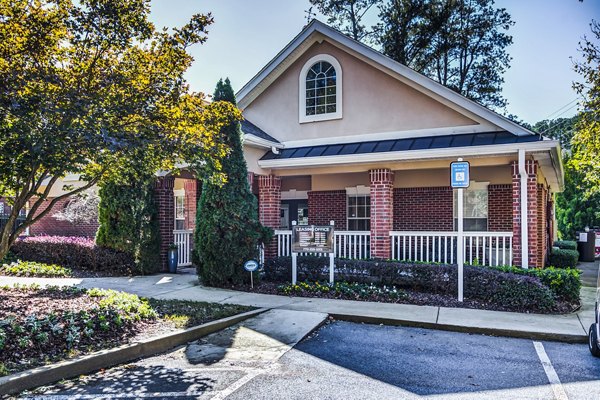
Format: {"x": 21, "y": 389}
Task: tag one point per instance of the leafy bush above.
{"x": 564, "y": 283}
{"x": 344, "y": 290}
{"x": 60, "y": 331}
{"x": 73, "y": 252}
{"x": 563, "y": 258}
{"x": 508, "y": 289}
{"x": 566, "y": 244}
{"x": 32, "y": 268}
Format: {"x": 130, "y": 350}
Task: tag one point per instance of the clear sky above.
{"x": 248, "y": 33}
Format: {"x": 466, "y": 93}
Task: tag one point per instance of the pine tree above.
{"x": 227, "y": 228}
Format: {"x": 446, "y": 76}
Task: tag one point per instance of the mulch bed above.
{"x": 413, "y": 297}
{"x": 22, "y": 302}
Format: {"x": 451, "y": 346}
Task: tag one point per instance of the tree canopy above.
{"x": 586, "y": 140}
{"x": 458, "y": 43}
{"x": 87, "y": 86}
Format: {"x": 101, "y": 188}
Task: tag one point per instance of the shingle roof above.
{"x": 251, "y": 129}
{"x": 421, "y": 143}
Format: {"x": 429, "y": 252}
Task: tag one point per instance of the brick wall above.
{"x": 542, "y": 225}
{"x": 49, "y": 225}
{"x": 532, "y": 216}
{"x": 192, "y": 189}
{"x": 423, "y": 209}
{"x": 500, "y": 208}
{"x": 382, "y": 212}
{"x": 269, "y": 194}
{"x": 326, "y": 206}
{"x": 165, "y": 200}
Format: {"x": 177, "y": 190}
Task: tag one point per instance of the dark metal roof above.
{"x": 251, "y": 129}
{"x": 421, "y": 143}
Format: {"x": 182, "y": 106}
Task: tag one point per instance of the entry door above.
{"x": 284, "y": 215}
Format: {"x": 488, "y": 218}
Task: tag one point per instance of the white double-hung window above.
{"x": 475, "y": 207}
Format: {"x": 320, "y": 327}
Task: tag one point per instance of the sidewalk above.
{"x": 570, "y": 327}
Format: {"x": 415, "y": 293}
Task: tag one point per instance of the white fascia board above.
{"x": 410, "y": 155}
{"x": 260, "y": 142}
{"x": 455, "y": 130}
{"x": 366, "y": 51}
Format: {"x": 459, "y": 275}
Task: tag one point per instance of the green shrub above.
{"x": 506, "y": 289}
{"x": 566, "y": 244}
{"x": 565, "y": 283}
{"x": 562, "y": 258}
{"x": 31, "y": 268}
{"x": 129, "y": 306}
{"x": 344, "y": 290}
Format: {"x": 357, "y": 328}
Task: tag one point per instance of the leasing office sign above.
{"x": 312, "y": 239}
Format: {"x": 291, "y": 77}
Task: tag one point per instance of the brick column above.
{"x": 382, "y": 212}
{"x": 532, "y": 213}
{"x": 165, "y": 201}
{"x": 192, "y": 195}
{"x": 269, "y": 200}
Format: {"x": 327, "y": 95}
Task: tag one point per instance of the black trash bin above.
{"x": 586, "y": 245}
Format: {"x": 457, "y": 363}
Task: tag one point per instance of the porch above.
{"x": 482, "y": 248}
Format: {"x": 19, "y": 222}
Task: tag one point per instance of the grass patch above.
{"x": 35, "y": 269}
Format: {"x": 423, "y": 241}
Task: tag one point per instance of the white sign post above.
{"x": 459, "y": 179}
{"x": 331, "y": 257}
{"x": 294, "y": 262}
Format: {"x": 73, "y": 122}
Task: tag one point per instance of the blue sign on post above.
{"x": 251, "y": 266}
{"x": 459, "y": 174}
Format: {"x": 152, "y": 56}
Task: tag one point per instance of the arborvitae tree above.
{"x": 227, "y": 228}
{"x": 128, "y": 219}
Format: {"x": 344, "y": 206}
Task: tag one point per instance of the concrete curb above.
{"x": 32, "y": 378}
{"x": 558, "y": 337}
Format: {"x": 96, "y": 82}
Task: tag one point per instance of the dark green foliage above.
{"x": 75, "y": 253}
{"x": 563, "y": 258}
{"x": 506, "y": 289}
{"x": 460, "y": 44}
{"x": 566, "y": 244}
{"x": 344, "y": 290}
{"x": 227, "y": 228}
{"x": 565, "y": 283}
{"x": 128, "y": 219}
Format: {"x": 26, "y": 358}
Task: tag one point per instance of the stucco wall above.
{"x": 373, "y": 102}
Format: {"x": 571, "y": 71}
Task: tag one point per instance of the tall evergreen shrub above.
{"x": 227, "y": 227}
{"x": 128, "y": 218}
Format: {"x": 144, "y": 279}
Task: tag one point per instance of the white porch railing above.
{"x": 348, "y": 244}
{"x": 183, "y": 240}
{"x": 485, "y": 248}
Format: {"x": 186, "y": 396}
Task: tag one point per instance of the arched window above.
{"x": 320, "y": 89}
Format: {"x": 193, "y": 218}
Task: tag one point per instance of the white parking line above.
{"x": 557, "y": 388}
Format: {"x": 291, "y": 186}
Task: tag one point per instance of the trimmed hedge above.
{"x": 511, "y": 290}
{"x": 564, "y": 283}
{"x": 73, "y": 252}
{"x": 566, "y": 244}
{"x": 563, "y": 258}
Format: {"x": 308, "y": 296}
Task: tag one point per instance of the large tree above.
{"x": 227, "y": 229}
{"x": 458, "y": 43}
{"x": 586, "y": 141}
{"x": 86, "y": 86}
{"x": 347, "y": 15}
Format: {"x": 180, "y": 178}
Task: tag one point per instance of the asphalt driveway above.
{"x": 345, "y": 360}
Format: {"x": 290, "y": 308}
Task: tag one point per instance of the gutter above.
{"x": 251, "y": 139}
{"x": 523, "y": 199}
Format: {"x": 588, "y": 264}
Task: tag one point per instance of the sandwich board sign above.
{"x": 316, "y": 239}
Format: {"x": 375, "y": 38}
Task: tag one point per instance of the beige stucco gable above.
{"x": 374, "y": 102}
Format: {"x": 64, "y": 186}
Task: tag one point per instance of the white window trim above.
{"x": 356, "y": 192}
{"x": 302, "y": 117}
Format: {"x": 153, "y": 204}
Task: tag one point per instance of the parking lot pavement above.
{"x": 345, "y": 360}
